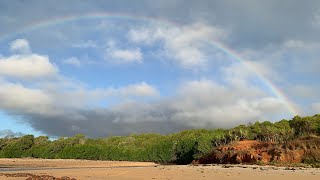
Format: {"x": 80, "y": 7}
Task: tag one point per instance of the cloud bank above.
{"x": 279, "y": 39}
{"x": 62, "y": 107}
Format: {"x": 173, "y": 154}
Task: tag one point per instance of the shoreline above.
{"x": 88, "y": 169}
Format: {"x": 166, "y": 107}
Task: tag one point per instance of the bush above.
{"x": 92, "y": 152}
{"x": 182, "y": 147}
{"x": 311, "y": 156}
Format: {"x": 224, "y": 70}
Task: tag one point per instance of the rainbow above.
{"x": 292, "y": 107}
{"x": 91, "y": 16}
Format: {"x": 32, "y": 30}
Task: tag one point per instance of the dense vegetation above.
{"x": 181, "y": 148}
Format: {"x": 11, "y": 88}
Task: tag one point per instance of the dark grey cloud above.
{"x": 103, "y": 123}
{"x": 198, "y": 104}
{"x": 260, "y": 23}
{"x": 253, "y": 23}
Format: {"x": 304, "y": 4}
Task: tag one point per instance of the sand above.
{"x": 84, "y": 169}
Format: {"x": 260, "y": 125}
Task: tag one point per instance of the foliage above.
{"x": 182, "y": 147}
{"x": 312, "y": 156}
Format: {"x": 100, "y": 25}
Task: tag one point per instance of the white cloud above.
{"x": 123, "y": 56}
{"x": 201, "y": 104}
{"x": 301, "y": 44}
{"x": 270, "y": 104}
{"x": 20, "y": 46}
{"x": 140, "y": 89}
{"x": 315, "y": 21}
{"x": 206, "y": 103}
{"x": 58, "y": 100}
{"x": 294, "y": 44}
{"x": 184, "y": 44}
{"x": 54, "y": 95}
{"x": 16, "y": 97}
{"x": 79, "y": 97}
{"x": 59, "y": 106}
{"x": 72, "y": 61}
{"x": 197, "y": 104}
{"x": 27, "y": 66}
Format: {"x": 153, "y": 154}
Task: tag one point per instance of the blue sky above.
{"x": 114, "y": 68}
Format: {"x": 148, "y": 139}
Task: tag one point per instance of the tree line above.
{"x": 181, "y": 148}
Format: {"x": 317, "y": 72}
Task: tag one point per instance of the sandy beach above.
{"x": 85, "y": 169}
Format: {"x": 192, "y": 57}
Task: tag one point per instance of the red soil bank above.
{"x": 251, "y": 152}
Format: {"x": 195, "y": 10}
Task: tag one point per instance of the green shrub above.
{"x": 93, "y": 152}
{"x": 182, "y": 147}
